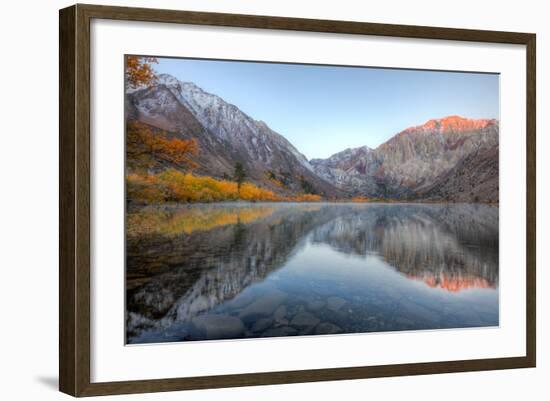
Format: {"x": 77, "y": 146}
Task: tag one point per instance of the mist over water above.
{"x": 277, "y": 269}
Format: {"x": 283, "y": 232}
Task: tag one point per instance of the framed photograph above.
{"x": 250, "y": 200}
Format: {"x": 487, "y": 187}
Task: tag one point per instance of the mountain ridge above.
{"x": 228, "y": 136}
{"x": 410, "y": 162}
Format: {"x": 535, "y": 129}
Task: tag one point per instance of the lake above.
{"x": 248, "y": 270}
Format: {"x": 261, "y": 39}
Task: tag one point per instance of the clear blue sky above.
{"x": 322, "y": 109}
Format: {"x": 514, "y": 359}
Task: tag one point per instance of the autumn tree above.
{"x": 144, "y": 147}
{"x": 180, "y": 151}
{"x": 138, "y": 154}
{"x": 239, "y": 175}
{"x": 139, "y": 71}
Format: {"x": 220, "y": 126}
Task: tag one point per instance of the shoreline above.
{"x": 132, "y": 205}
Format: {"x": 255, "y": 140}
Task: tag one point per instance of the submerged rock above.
{"x": 335, "y": 303}
{"x": 304, "y": 319}
{"x": 280, "y": 314}
{"x": 218, "y": 326}
{"x": 264, "y": 306}
{"x": 261, "y": 325}
{"x": 315, "y": 304}
{"x": 241, "y": 300}
{"x": 327, "y": 328}
{"x": 280, "y": 332}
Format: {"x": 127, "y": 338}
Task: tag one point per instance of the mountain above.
{"x": 348, "y": 169}
{"x": 451, "y": 158}
{"x": 225, "y": 135}
{"x": 474, "y": 178}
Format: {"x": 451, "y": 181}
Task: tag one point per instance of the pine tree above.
{"x": 239, "y": 175}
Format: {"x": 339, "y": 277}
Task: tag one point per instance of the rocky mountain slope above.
{"x": 225, "y": 135}
{"x": 451, "y": 158}
{"x": 348, "y": 168}
{"x": 473, "y": 179}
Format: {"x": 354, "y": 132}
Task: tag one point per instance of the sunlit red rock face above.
{"x": 452, "y": 124}
{"x": 416, "y": 162}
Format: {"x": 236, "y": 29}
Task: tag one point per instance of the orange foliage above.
{"x": 175, "y": 186}
{"x": 145, "y": 189}
{"x": 251, "y": 192}
{"x": 360, "y": 199}
{"x": 305, "y": 198}
{"x": 141, "y": 140}
{"x": 191, "y": 188}
{"x": 277, "y": 182}
{"x": 177, "y": 150}
{"x": 139, "y": 71}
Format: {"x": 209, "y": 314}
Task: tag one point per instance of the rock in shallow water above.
{"x": 315, "y": 304}
{"x": 261, "y": 325}
{"x": 304, "y": 319}
{"x": 280, "y": 314}
{"x": 241, "y": 300}
{"x": 218, "y": 326}
{"x": 327, "y": 328}
{"x": 335, "y": 303}
{"x": 280, "y": 332}
{"x": 264, "y": 306}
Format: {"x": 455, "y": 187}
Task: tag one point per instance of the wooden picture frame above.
{"x": 74, "y": 204}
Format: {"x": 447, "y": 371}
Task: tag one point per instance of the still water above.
{"x": 270, "y": 269}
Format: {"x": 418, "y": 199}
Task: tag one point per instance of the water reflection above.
{"x": 233, "y": 271}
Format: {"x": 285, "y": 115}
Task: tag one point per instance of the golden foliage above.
{"x": 145, "y": 189}
{"x": 139, "y": 71}
{"x": 306, "y": 198}
{"x": 175, "y": 186}
{"x": 277, "y": 182}
{"x": 361, "y": 199}
{"x": 180, "y": 150}
{"x": 143, "y": 146}
{"x": 191, "y": 188}
{"x": 250, "y": 192}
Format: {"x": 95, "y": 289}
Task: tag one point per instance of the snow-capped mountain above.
{"x": 451, "y": 158}
{"x": 225, "y": 135}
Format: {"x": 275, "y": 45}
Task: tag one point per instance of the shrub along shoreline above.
{"x": 175, "y": 186}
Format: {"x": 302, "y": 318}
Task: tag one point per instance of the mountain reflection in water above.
{"x": 263, "y": 270}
